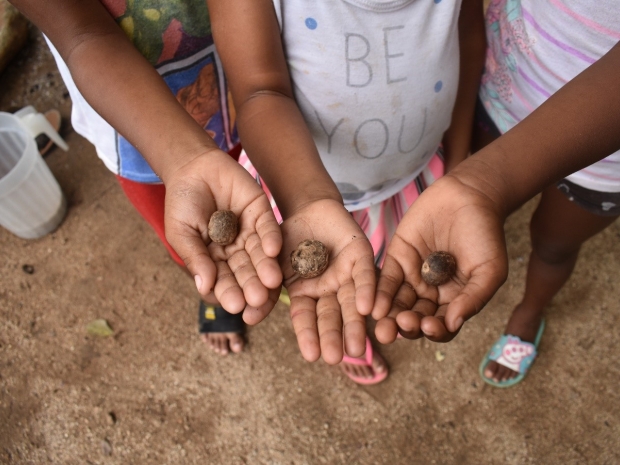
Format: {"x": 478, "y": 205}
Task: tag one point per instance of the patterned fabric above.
{"x": 378, "y": 221}
{"x": 175, "y": 37}
{"x": 534, "y": 48}
{"x": 599, "y": 203}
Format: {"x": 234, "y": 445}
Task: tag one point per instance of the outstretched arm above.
{"x": 126, "y": 90}
{"x": 279, "y": 144}
{"x": 464, "y": 212}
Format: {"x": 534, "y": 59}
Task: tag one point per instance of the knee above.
{"x": 553, "y": 253}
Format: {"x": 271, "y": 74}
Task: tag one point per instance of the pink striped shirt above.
{"x": 535, "y": 47}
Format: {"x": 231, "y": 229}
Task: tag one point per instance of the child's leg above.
{"x": 558, "y": 228}
{"x": 149, "y": 200}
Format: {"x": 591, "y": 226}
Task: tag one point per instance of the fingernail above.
{"x": 458, "y": 323}
{"x": 198, "y": 281}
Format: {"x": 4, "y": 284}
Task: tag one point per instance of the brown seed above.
{"x": 223, "y": 227}
{"x": 309, "y": 259}
{"x": 438, "y": 268}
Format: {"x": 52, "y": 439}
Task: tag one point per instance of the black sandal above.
{"x": 214, "y": 319}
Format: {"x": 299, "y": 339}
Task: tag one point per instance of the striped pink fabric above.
{"x": 534, "y": 48}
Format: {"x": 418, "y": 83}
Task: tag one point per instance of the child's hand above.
{"x": 244, "y": 274}
{"x": 449, "y": 216}
{"x": 324, "y": 307}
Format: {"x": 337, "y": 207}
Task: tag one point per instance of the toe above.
{"x": 378, "y": 363}
{"x": 490, "y": 370}
{"x": 235, "y": 341}
{"x": 223, "y": 344}
{"x": 363, "y": 372}
{"x": 356, "y": 371}
{"x": 214, "y": 343}
{"x": 507, "y": 374}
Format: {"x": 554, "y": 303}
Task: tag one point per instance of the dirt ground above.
{"x": 153, "y": 394}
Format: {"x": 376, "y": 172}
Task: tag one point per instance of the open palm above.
{"x": 244, "y": 274}
{"x": 453, "y": 217}
{"x": 325, "y": 310}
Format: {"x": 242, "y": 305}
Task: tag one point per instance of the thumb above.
{"x": 475, "y": 295}
{"x": 190, "y": 246}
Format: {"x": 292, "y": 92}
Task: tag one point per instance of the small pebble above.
{"x": 28, "y": 269}
{"x": 106, "y": 447}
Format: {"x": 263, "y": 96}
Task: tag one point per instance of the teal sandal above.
{"x": 511, "y": 352}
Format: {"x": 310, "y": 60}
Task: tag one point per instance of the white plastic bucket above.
{"x": 31, "y": 201}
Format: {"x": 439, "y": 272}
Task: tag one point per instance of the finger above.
{"x": 329, "y": 324}
{"x": 409, "y": 323}
{"x": 254, "y": 315}
{"x": 190, "y": 246}
{"x": 303, "y": 317}
{"x": 389, "y": 282}
{"x": 434, "y": 326}
{"x": 254, "y": 292}
{"x": 353, "y": 324}
{"x": 266, "y": 267}
{"x": 269, "y": 232}
{"x": 227, "y": 290}
{"x": 388, "y": 328}
{"x": 483, "y": 284}
{"x": 186, "y": 216}
{"x": 365, "y": 279}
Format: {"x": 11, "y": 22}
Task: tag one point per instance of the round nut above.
{"x": 310, "y": 259}
{"x": 223, "y": 227}
{"x": 438, "y": 268}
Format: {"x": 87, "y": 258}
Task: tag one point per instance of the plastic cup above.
{"x": 31, "y": 201}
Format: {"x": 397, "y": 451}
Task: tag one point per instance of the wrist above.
{"x": 481, "y": 175}
{"x": 170, "y": 167}
{"x": 308, "y": 196}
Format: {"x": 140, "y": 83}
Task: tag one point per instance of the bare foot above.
{"x": 221, "y": 331}
{"x": 523, "y": 323}
{"x": 223, "y": 343}
{"x": 364, "y": 371}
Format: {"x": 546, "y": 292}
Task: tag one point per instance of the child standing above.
{"x": 463, "y": 213}
{"x": 156, "y": 108}
{"x": 342, "y": 107}
{"x": 534, "y": 49}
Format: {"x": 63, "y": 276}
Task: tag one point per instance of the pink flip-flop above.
{"x": 366, "y": 361}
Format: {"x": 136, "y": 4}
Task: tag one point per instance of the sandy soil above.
{"x": 152, "y": 393}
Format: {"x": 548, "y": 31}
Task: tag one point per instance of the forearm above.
{"x": 148, "y": 114}
{"x": 278, "y": 142}
{"x": 574, "y": 128}
{"x": 118, "y": 82}
{"x": 472, "y": 46}
{"x": 272, "y": 129}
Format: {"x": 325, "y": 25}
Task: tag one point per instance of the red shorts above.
{"x": 149, "y": 200}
